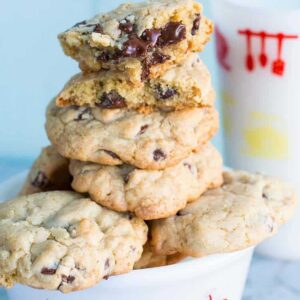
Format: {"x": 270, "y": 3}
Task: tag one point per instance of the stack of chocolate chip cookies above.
{"x": 137, "y": 121}
{"x": 131, "y": 135}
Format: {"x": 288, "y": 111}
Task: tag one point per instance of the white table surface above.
{"x": 268, "y": 279}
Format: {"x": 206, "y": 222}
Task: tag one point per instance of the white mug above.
{"x": 258, "y": 51}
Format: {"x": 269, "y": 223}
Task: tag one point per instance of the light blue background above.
{"x": 33, "y": 68}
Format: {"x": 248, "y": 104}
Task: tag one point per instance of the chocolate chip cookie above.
{"x": 243, "y": 212}
{"x": 141, "y": 39}
{"x": 149, "y": 194}
{"x": 185, "y": 85}
{"x": 114, "y": 136}
{"x": 63, "y": 241}
{"x": 49, "y": 172}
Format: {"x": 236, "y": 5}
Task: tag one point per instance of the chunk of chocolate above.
{"x": 151, "y": 36}
{"x": 188, "y": 166}
{"x": 172, "y": 33}
{"x": 143, "y": 129}
{"x": 98, "y": 28}
{"x": 145, "y": 71}
{"x": 111, "y": 100}
{"x": 40, "y": 181}
{"x": 48, "y": 271}
{"x": 158, "y": 58}
{"x": 265, "y": 196}
{"x": 85, "y": 114}
{"x": 159, "y": 155}
{"x": 130, "y": 216}
{"x": 196, "y": 24}
{"x": 104, "y": 57}
{"x": 155, "y": 58}
{"x": 126, "y": 26}
{"x": 106, "y": 264}
{"x": 67, "y": 279}
{"x": 182, "y": 213}
{"x": 126, "y": 178}
{"x": 112, "y": 154}
{"x": 135, "y": 47}
{"x": 164, "y": 94}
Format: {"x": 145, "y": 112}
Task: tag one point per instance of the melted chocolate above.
{"x": 126, "y": 26}
{"x": 196, "y": 24}
{"x": 135, "y": 47}
{"x": 158, "y": 155}
{"x": 112, "y": 100}
{"x": 165, "y": 94}
{"x": 40, "y": 181}
{"x": 47, "y": 271}
{"x": 112, "y": 154}
{"x": 172, "y": 33}
{"x": 98, "y": 28}
{"x": 151, "y": 36}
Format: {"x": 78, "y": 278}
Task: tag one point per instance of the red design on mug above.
{"x": 210, "y": 297}
{"x": 278, "y": 65}
{"x": 222, "y": 49}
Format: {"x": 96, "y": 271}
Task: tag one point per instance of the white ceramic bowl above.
{"x": 215, "y": 277}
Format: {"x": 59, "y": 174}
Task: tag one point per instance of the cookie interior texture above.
{"x": 142, "y": 39}
{"x": 247, "y": 209}
{"x": 63, "y": 241}
{"x": 185, "y": 85}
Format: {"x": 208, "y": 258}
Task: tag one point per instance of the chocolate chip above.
{"x": 196, "y": 24}
{"x": 130, "y": 216}
{"x": 172, "y": 33}
{"x": 151, "y": 36}
{"x": 71, "y": 228}
{"x": 188, "y": 166}
{"x": 107, "y": 264}
{"x": 143, "y": 129}
{"x": 80, "y": 268}
{"x": 126, "y": 178}
{"x": 79, "y": 24}
{"x": 67, "y": 279}
{"x": 112, "y": 100}
{"x": 104, "y": 57}
{"x": 158, "y": 58}
{"x": 106, "y": 277}
{"x": 74, "y": 107}
{"x": 270, "y": 227}
{"x": 145, "y": 71}
{"x": 98, "y": 28}
{"x": 155, "y": 58}
{"x": 47, "y": 271}
{"x": 135, "y": 47}
{"x": 182, "y": 213}
{"x": 40, "y": 181}
{"x": 117, "y": 54}
{"x": 85, "y": 114}
{"x": 112, "y": 154}
{"x": 265, "y": 195}
{"x": 164, "y": 93}
{"x": 159, "y": 155}
{"x": 126, "y": 26}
